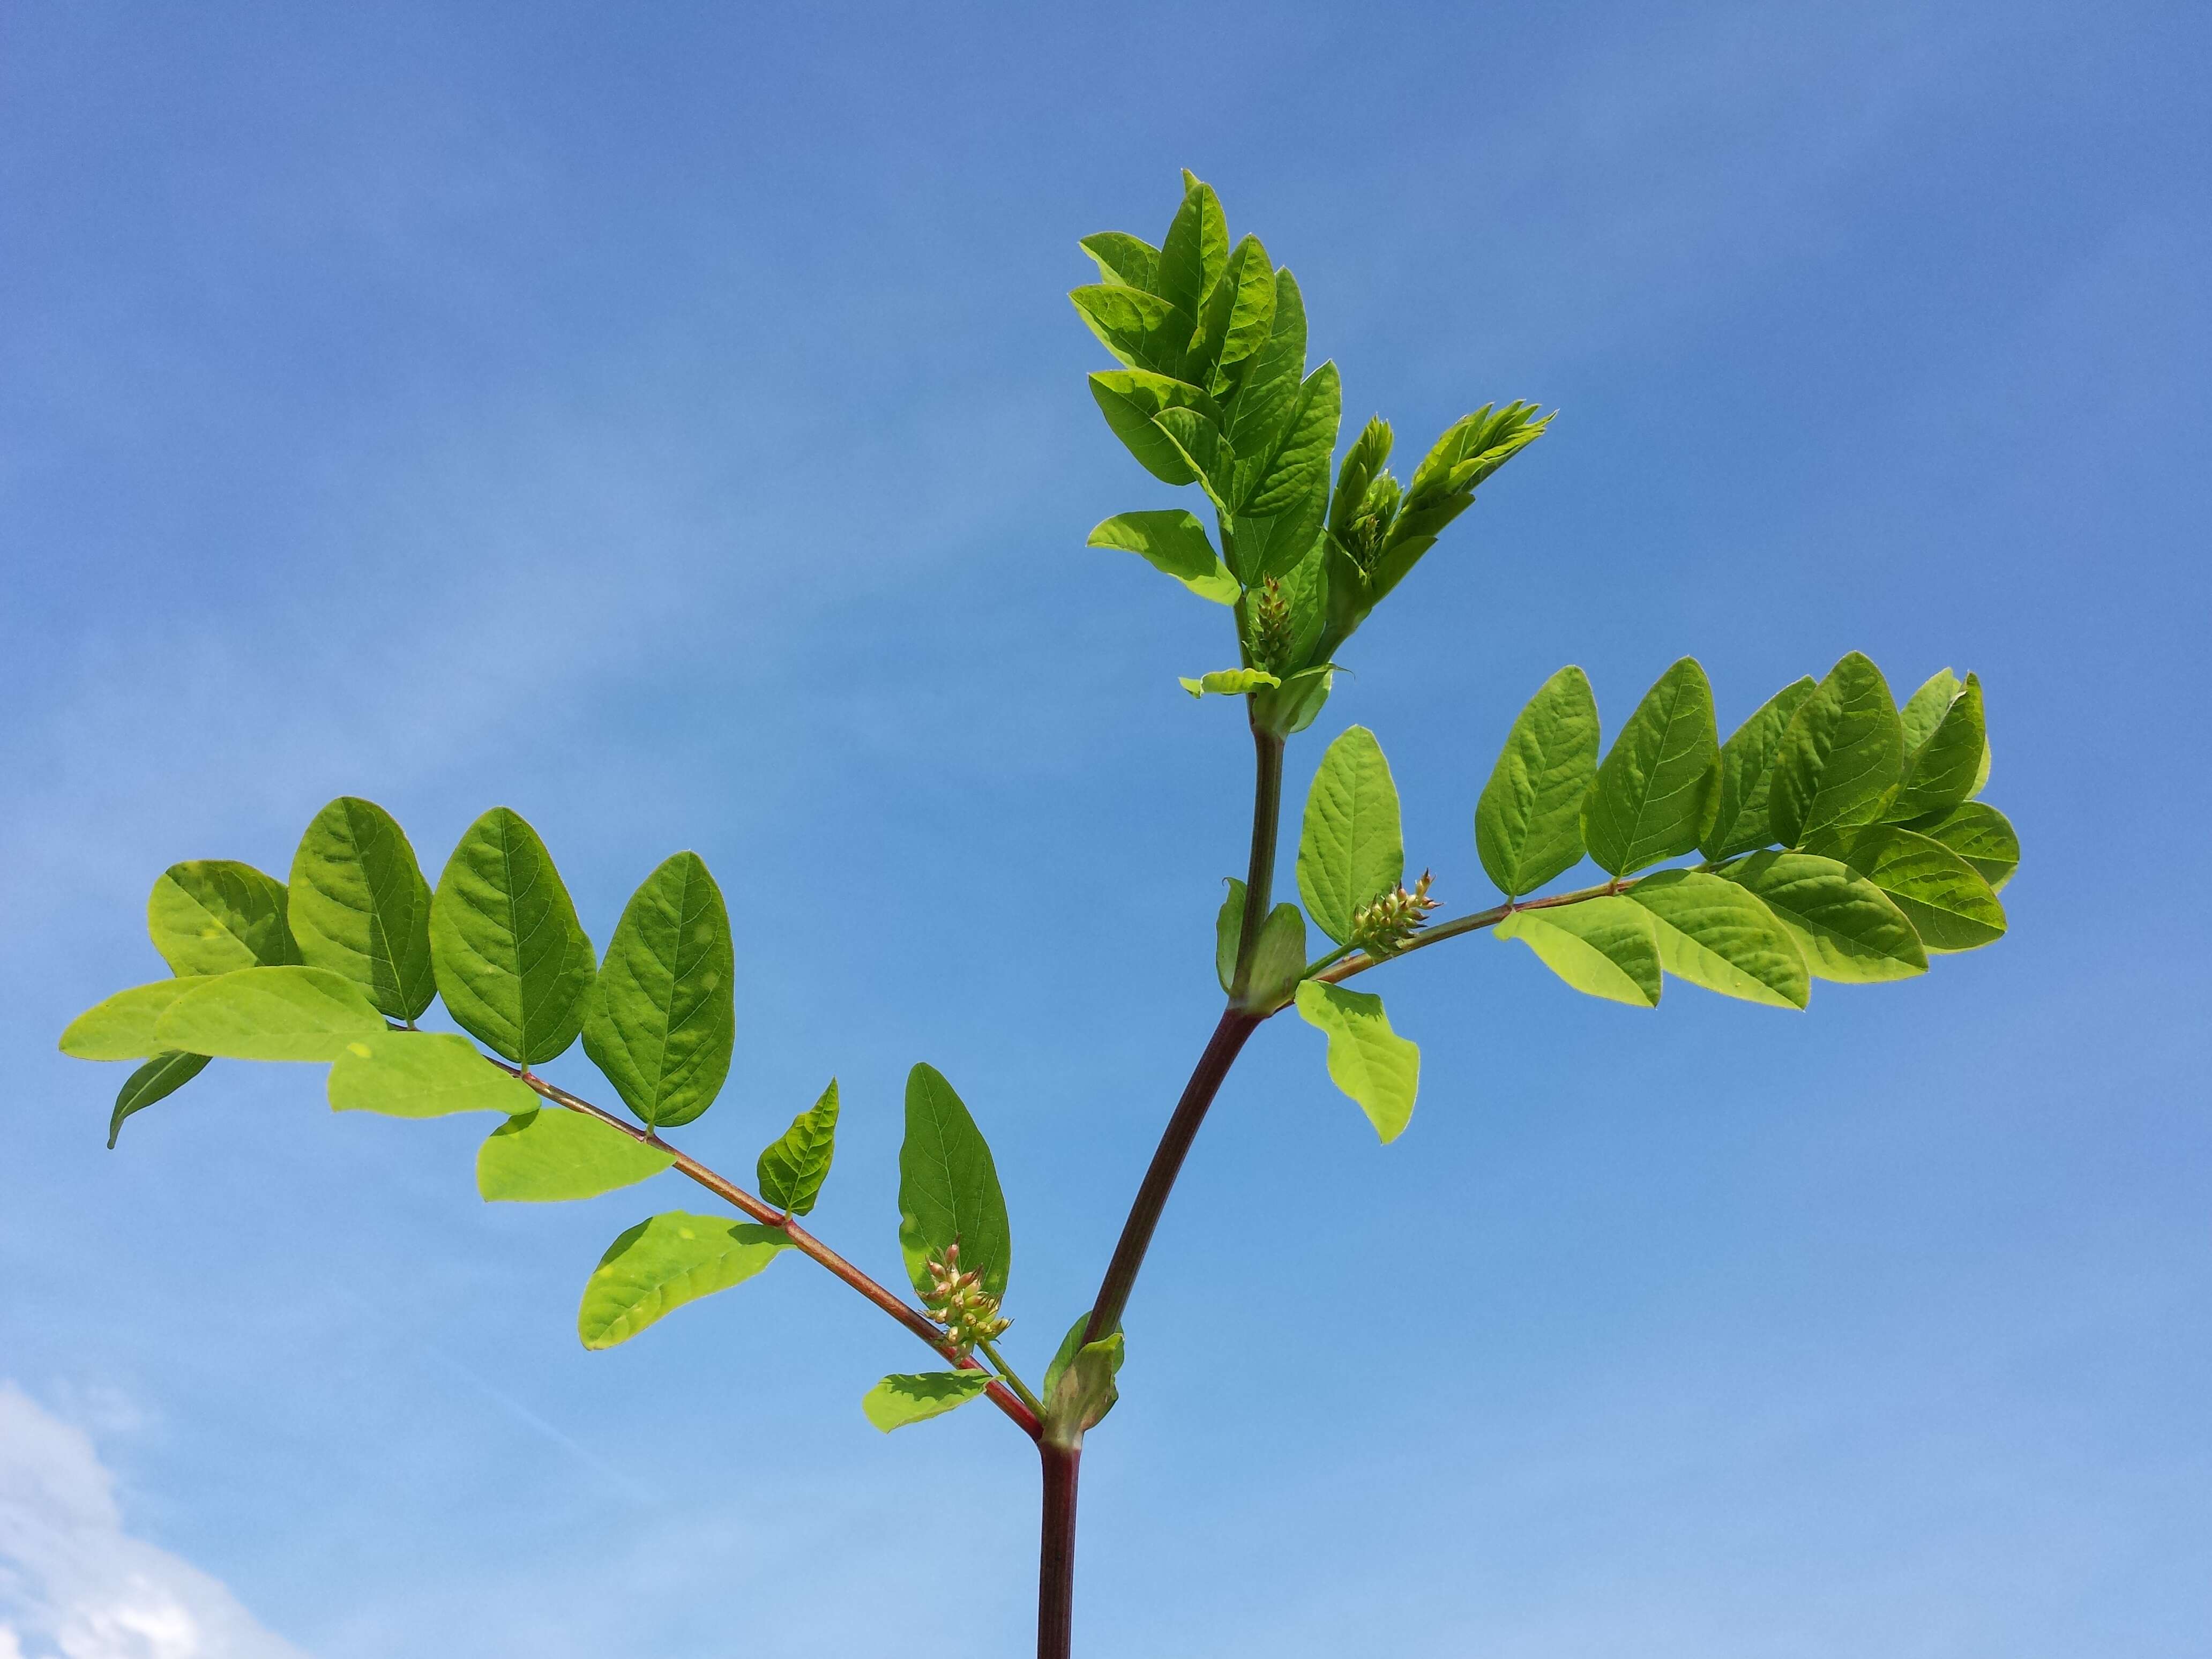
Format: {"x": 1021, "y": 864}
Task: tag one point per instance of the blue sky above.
{"x": 668, "y": 423}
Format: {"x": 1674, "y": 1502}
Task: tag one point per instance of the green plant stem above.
{"x": 990, "y": 1351}
{"x": 1260, "y": 877}
{"x": 1021, "y": 1408}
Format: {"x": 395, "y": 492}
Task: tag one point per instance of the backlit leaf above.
{"x": 915, "y": 1397}
{"x": 1083, "y": 1391}
{"x": 1924, "y": 709}
{"x": 122, "y": 1027}
{"x": 422, "y": 1074}
{"x": 1238, "y": 315}
{"x": 1195, "y": 251}
{"x": 1277, "y": 961}
{"x": 1840, "y": 753}
{"x": 360, "y": 907}
{"x": 790, "y": 1171}
{"x": 1379, "y": 1069}
{"x": 1227, "y": 682}
{"x": 1740, "y": 822}
{"x": 1121, "y": 257}
{"x": 1228, "y": 932}
{"x": 513, "y": 964}
{"x": 554, "y": 1154}
{"x": 661, "y": 1020}
{"x": 268, "y": 1013}
{"x": 1529, "y": 822}
{"x": 1714, "y": 933}
{"x": 1295, "y": 470}
{"x": 1943, "y": 896}
{"x": 665, "y": 1261}
{"x": 1350, "y": 847}
{"x": 1176, "y": 543}
{"x": 1606, "y": 946}
{"x": 1145, "y": 330}
{"x": 949, "y": 1189}
{"x": 1654, "y": 787}
{"x": 213, "y": 915}
{"x": 1267, "y": 383}
{"x": 1845, "y": 926}
{"x": 1942, "y": 772}
{"x": 1980, "y": 835}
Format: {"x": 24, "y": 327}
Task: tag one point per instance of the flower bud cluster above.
{"x": 959, "y": 1302}
{"x": 1384, "y": 924}
{"x": 1274, "y": 634}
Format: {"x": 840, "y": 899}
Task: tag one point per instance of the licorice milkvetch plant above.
{"x": 1835, "y": 835}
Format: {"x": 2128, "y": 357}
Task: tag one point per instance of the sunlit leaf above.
{"x": 1845, "y": 926}
{"x": 1840, "y": 753}
{"x": 661, "y": 1019}
{"x": 1175, "y": 543}
{"x": 1606, "y": 947}
{"x": 663, "y": 1263}
{"x": 360, "y": 907}
{"x": 1379, "y": 1069}
{"x": 948, "y": 1190}
{"x": 513, "y": 964}
{"x": 157, "y": 1079}
{"x": 554, "y": 1154}
{"x": 1654, "y": 787}
{"x": 213, "y": 915}
{"x": 270, "y": 1013}
{"x": 422, "y": 1074}
{"x": 1350, "y": 847}
{"x": 1740, "y": 820}
{"x": 792, "y": 1169}
{"x": 1714, "y": 933}
{"x": 1529, "y": 822}
{"x": 915, "y": 1397}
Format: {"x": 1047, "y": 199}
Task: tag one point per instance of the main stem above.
{"x": 1062, "y": 1463}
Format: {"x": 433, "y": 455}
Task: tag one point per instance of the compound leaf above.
{"x": 1840, "y": 753}
{"x": 422, "y": 1074}
{"x": 214, "y": 915}
{"x": 661, "y": 1018}
{"x": 360, "y": 907}
{"x": 1175, "y": 543}
{"x": 1379, "y": 1069}
{"x": 1604, "y": 947}
{"x": 1350, "y": 848}
{"x": 664, "y": 1262}
{"x": 1714, "y": 933}
{"x": 916, "y": 1396}
{"x": 1529, "y": 822}
{"x": 948, "y": 1190}
{"x": 1655, "y": 789}
{"x": 268, "y": 1013}
{"x": 157, "y": 1079}
{"x": 512, "y": 961}
{"x": 792, "y": 1169}
{"x": 1740, "y": 819}
{"x": 554, "y": 1154}
{"x": 1845, "y": 926}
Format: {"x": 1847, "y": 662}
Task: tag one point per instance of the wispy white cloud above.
{"x": 74, "y": 1584}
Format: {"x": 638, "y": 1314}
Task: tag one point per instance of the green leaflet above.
{"x": 1288, "y": 708}
{"x": 1350, "y": 848}
{"x": 1267, "y": 382}
{"x": 1175, "y": 543}
{"x": 1069, "y": 1346}
{"x": 1143, "y": 331}
{"x": 792, "y": 1170}
{"x": 1083, "y": 1390}
{"x": 1942, "y": 772}
{"x": 157, "y": 1079}
{"x": 212, "y": 915}
{"x": 1443, "y": 486}
{"x": 1655, "y": 789}
{"x": 1295, "y": 469}
{"x": 1278, "y": 961}
{"x": 949, "y": 1187}
{"x": 1121, "y": 257}
{"x": 1367, "y": 1059}
{"x": 1714, "y": 933}
{"x": 663, "y": 1262}
{"x": 1228, "y": 934}
{"x": 1363, "y": 461}
{"x": 1236, "y": 318}
{"x": 1945, "y": 899}
{"x": 122, "y": 1027}
{"x": 661, "y": 1018}
{"x": 1979, "y": 833}
{"x": 1197, "y": 439}
{"x": 1924, "y": 710}
{"x": 1840, "y": 753}
{"x": 1529, "y": 822}
{"x": 554, "y": 1154}
{"x": 513, "y": 964}
{"x": 268, "y": 1013}
{"x": 1275, "y": 544}
{"x": 1227, "y": 681}
{"x": 422, "y": 1074}
{"x": 1605, "y": 947}
{"x": 1740, "y": 821}
{"x": 915, "y": 1396}
{"x": 1130, "y": 399}
{"x": 1195, "y": 251}
{"x": 360, "y": 907}
{"x": 1845, "y": 926}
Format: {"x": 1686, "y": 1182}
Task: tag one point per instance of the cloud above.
{"x": 73, "y": 1584}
